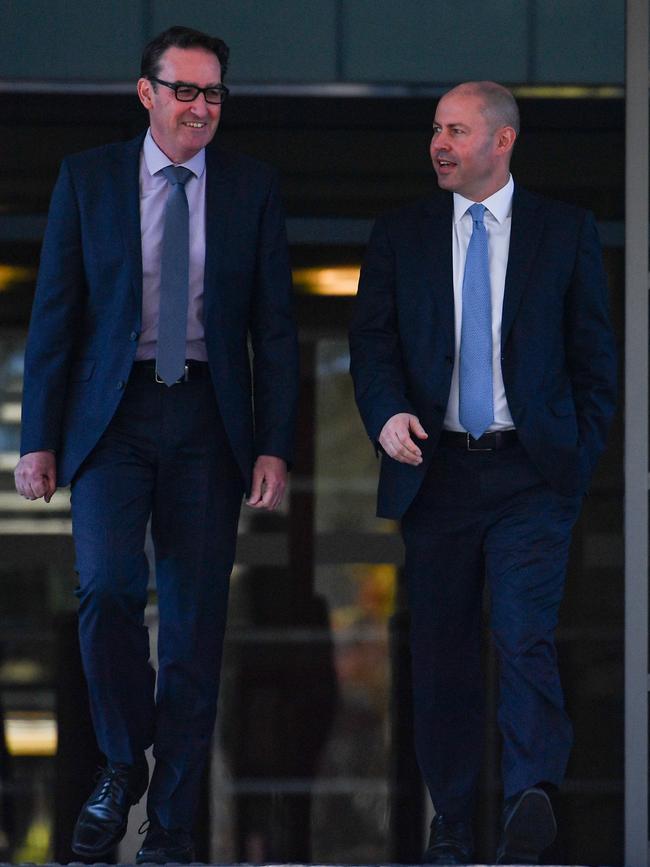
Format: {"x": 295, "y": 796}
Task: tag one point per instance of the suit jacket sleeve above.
{"x": 589, "y": 345}
{"x": 55, "y": 321}
{"x": 375, "y": 355}
{"x": 273, "y": 336}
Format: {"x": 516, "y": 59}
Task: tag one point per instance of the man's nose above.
{"x": 440, "y": 142}
{"x": 199, "y": 105}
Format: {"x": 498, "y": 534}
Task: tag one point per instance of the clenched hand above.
{"x": 35, "y": 475}
{"x": 269, "y": 482}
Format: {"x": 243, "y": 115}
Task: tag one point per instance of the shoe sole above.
{"x": 436, "y": 860}
{"x": 530, "y": 829}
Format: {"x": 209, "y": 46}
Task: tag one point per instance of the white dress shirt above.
{"x": 154, "y": 190}
{"x": 497, "y": 219}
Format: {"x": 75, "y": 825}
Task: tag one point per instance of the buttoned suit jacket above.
{"x": 557, "y": 348}
{"x": 87, "y": 312}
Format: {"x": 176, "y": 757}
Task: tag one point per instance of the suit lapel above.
{"x": 437, "y": 265}
{"x": 525, "y": 234}
{"x": 126, "y": 168}
{"x": 218, "y": 205}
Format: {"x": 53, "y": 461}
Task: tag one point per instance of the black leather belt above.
{"x": 489, "y": 442}
{"x": 147, "y": 370}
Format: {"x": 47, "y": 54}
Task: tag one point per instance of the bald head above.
{"x": 474, "y": 131}
{"x": 498, "y": 104}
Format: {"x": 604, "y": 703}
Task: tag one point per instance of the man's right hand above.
{"x": 35, "y": 475}
{"x": 395, "y": 438}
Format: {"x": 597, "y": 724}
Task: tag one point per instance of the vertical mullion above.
{"x": 636, "y": 435}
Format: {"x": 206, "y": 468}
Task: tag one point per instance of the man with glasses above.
{"x": 161, "y": 258}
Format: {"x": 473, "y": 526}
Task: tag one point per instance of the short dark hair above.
{"x": 181, "y": 37}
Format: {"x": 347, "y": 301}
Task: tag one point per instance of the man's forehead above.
{"x": 458, "y": 107}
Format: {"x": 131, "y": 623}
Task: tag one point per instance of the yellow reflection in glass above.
{"x": 568, "y": 91}
{"x": 31, "y": 733}
{"x": 12, "y": 274}
{"x": 339, "y": 280}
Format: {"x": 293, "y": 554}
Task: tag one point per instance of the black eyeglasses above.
{"x": 215, "y": 95}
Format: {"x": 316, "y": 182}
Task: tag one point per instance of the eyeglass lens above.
{"x": 189, "y": 94}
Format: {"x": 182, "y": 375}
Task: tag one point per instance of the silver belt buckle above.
{"x": 470, "y": 449}
{"x": 184, "y": 378}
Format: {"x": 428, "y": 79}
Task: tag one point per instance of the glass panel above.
{"x": 313, "y": 731}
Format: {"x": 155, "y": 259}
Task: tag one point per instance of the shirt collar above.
{"x": 155, "y": 159}
{"x": 499, "y": 204}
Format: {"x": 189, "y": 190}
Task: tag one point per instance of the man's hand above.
{"x": 269, "y": 482}
{"x": 395, "y": 438}
{"x": 35, "y": 475}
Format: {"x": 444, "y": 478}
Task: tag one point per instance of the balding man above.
{"x": 484, "y": 369}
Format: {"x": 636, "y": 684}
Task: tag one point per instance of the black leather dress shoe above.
{"x": 165, "y": 847}
{"x": 528, "y": 827}
{"x": 450, "y": 842}
{"x": 102, "y": 821}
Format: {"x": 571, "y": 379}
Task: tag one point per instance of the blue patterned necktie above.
{"x": 476, "y": 411}
{"x": 174, "y": 279}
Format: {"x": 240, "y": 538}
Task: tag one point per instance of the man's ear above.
{"x": 506, "y": 139}
{"x": 145, "y": 89}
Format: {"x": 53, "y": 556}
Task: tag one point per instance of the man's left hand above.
{"x": 269, "y": 482}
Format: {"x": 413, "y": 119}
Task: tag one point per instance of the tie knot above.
{"x": 177, "y": 174}
{"x": 477, "y": 212}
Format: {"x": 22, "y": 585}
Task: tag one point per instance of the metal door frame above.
{"x": 636, "y": 435}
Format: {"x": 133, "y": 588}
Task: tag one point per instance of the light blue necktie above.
{"x": 174, "y": 279}
{"x": 476, "y": 410}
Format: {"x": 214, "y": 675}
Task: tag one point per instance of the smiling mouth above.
{"x": 194, "y": 124}
{"x": 445, "y": 164}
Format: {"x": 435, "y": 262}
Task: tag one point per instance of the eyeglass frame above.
{"x": 175, "y": 85}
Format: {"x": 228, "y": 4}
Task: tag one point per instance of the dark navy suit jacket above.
{"x": 558, "y": 354}
{"x": 87, "y": 311}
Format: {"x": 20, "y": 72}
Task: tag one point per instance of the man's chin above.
{"x": 195, "y": 141}
{"x": 446, "y": 183}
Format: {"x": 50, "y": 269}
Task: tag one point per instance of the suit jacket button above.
{"x": 120, "y": 383}
{"x": 133, "y": 335}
